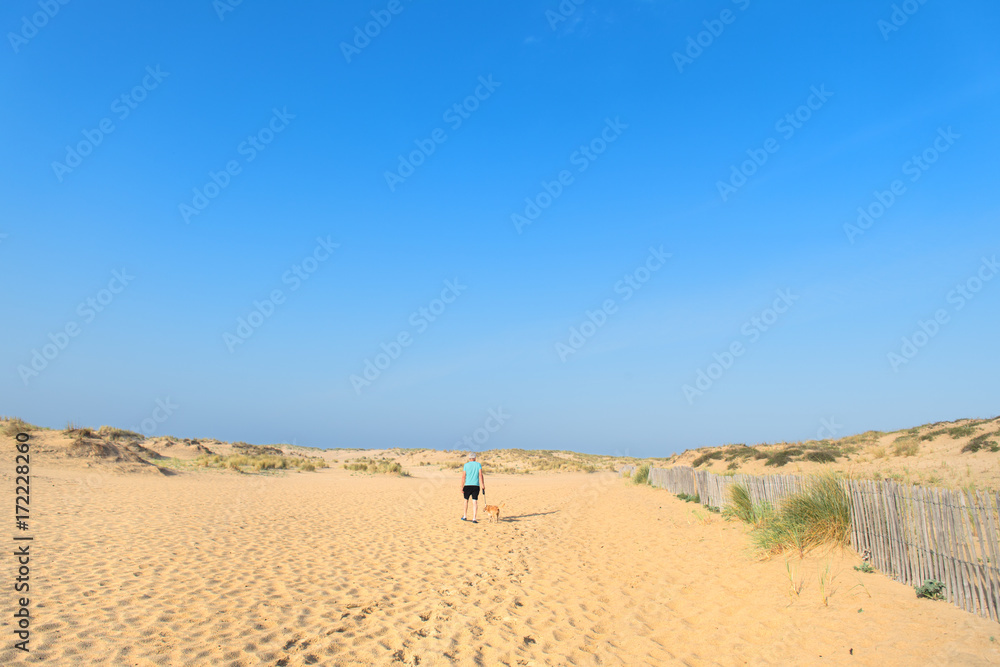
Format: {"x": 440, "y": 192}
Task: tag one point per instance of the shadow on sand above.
{"x": 525, "y": 516}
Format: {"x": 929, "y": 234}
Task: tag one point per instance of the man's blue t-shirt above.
{"x": 472, "y": 469}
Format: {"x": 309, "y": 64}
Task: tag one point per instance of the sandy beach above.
{"x": 334, "y": 568}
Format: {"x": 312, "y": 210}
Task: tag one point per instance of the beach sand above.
{"x": 330, "y": 568}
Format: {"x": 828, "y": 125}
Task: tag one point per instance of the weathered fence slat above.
{"x": 910, "y": 533}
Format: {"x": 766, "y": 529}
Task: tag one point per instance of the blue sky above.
{"x": 644, "y": 126}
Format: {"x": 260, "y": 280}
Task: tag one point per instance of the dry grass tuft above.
{"x": 381, "y": 466}
{"x": 16, "y": 425}
{"x": 819, "y": 515}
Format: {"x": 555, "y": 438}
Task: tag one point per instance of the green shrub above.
{"x": 981, "y": 442}
{"x": 782, "y": 457}
{"x": 865, "y": 567}
{"x": 932, "y": 590}
{"x": 707, "y": 456}
{"x": 822, "y": 456}
{"x": 689, "y": 498}
{"x": 744, "y": 452}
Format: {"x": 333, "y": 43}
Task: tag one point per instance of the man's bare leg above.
{"x": 466, "y": 512}
{"x": 475, "y": 509}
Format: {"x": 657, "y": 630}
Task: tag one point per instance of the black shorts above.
{"x": 471, "y": 492}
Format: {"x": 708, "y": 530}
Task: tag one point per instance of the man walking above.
{"x": 472, "y": 483}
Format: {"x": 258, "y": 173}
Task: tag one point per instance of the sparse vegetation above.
{"x": 689, "y": 498}
{"x": 906, "y": 445}
{"x": 866, "y": 438}
{"x": 79, "y": 432}
{"x": 961, "y": 431}
{"x": 865, "y": 567}
{"x": 253, "y": 450}
{"x": 382, "y": 466}
{"x": 119, "y": 434}
{"x": 252, "y": 463}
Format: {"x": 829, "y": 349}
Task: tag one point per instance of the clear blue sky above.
{"x": 660, "y": 128}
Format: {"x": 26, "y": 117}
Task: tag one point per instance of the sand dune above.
{"x": 337, "y": 569}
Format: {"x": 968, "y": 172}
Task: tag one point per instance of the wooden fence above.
{"x": 910, "y": 533}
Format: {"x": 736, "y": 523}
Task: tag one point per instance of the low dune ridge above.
{"x": 338, "y": 567}
{"x": 954, "y": 454}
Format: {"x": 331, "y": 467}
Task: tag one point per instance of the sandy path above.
{"x": 332, "y": 569}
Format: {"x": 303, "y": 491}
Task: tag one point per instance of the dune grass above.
{"x": 819, "y": 515}
{"x": 16, "y": 425}
{"x": 742, "y": 507}
{"x": 641, "y": 475}
{"x": 119, "y": 434}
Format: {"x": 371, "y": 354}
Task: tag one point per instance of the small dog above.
{"x": 494, "y": 512}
